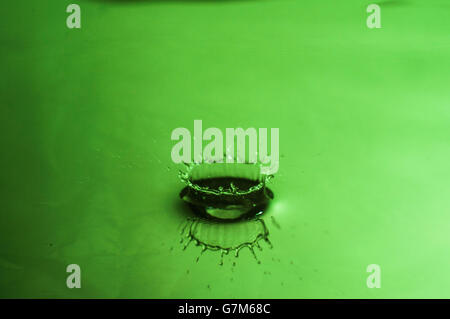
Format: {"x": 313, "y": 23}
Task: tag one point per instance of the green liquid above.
{"x": 227, "y": 198}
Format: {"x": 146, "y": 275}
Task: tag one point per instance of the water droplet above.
{"x": 187, "y": 244}
{"x": 274, "y": 222}
{"x": 225, "y": 191}
{"x": 228, "y": 199}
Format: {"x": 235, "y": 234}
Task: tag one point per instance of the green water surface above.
{"x": 87, "y": 116}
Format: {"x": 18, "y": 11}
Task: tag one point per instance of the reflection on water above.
{"x": 225, "y": 237}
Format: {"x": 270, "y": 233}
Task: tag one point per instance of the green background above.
{"x": 87, "y": 115}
